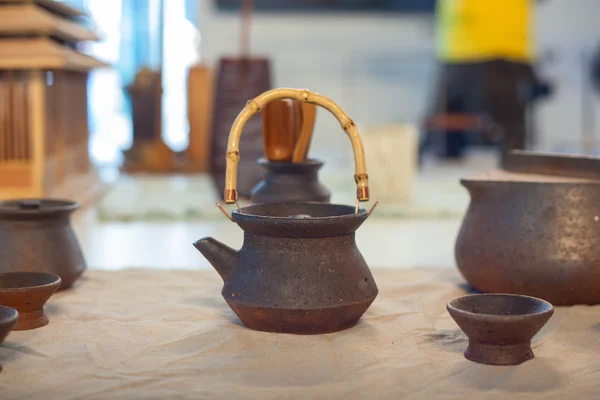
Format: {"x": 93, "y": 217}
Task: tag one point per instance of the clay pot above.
{"x": 499, "y": 326}
{"x": 298, "y": 271}
{"x": 8, "y": 318}
{"x": 532, "y": 229}
{"x": 27, "y": 292}
{"x": 290, "y": 182}
{"x": 36, "y": 236}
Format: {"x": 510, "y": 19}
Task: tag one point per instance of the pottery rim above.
{"x": 49, "y": 280}
{"x": 305, "y": 163}
{"x": 546, "y": 306}
{"x": 45, "y": 206}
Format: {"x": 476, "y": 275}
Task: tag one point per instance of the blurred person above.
{"x": 486, "y": 53}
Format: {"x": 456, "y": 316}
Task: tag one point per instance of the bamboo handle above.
{"x": 258, "y": 103}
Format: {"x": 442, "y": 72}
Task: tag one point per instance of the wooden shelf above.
{"x": 55, "y": 7}
{"x": 31, "y": 20}
{"x": 42, "y": 53}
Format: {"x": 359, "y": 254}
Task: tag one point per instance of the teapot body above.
{"x": 312, "y": 285}
{"x": 540, "y": 239}
{"x": 299, "y": 269}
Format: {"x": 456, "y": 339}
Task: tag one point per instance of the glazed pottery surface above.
{"x": 27, "y": 292}
{"x": 8, "y": 318}
{"x": 298, "y": 271}
{"x": 533, "y": 234}
{"x": 36, "y": 236}
{"x": 290, "y": 182}
{"x": 500, "y": 326}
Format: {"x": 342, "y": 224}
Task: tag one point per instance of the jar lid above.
{"x": 36, "y": 207}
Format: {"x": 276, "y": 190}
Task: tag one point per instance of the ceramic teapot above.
{"x": 299, "y": 270}
{"x": 36, "y": 236}
{"x": 533, "y": 229}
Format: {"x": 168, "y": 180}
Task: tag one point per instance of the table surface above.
{"x": 169, "y": 334}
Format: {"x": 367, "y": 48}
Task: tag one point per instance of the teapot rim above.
{"x": 314, "y": 227}
{"x": 351, "y": 214}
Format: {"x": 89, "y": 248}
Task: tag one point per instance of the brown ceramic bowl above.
{"x": 8, "y": 318}
{"x": 28, "y": 292}
{"x": 500, "y": 326}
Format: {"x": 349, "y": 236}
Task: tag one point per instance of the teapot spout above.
{"x": 222, "y": 257}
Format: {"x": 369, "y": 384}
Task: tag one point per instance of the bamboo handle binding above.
{"x": 255, "y": 105}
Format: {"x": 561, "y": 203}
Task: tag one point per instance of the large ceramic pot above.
{"x": 534, "y": 229}
{"x": 290, "y": 182}
{"x": 36, "y": 236}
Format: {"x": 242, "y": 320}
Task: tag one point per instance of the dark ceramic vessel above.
{"x": 8, "y": 318}
{"x": 290, "y": 182}
{"x": 535, "y": 235}
{"x": 499, "y": 326}
{"x": 27, "y": 292}
{"x": 36, "y": 236}
{"x": 298, "y": 271}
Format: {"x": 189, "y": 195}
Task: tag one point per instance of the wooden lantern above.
{"x": 43, "y": 102}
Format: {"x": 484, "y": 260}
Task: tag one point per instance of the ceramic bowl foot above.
{"x": 495, "y": 354}
{"x": 31, "y": 320}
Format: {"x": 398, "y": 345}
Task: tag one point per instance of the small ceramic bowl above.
{"x": 500, "y": 326}
{"x": 28, "y": 292}
{"x": 8, "y": 318}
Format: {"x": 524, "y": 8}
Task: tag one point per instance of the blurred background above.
{"x": 379, "y": 63}
{"x": 439, "y": 89}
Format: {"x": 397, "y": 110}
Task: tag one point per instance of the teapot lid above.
{"x": 37, "y": 207}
